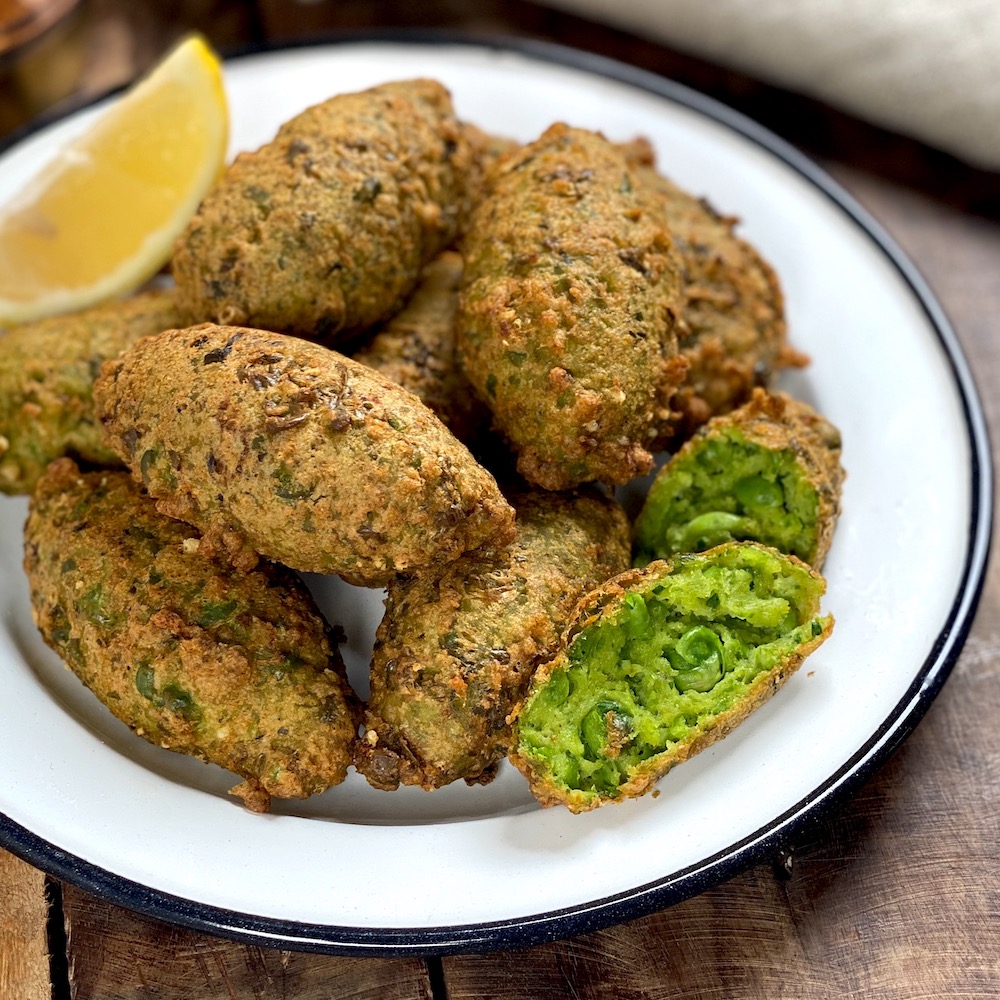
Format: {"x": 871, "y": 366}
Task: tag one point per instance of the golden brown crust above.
{"x": 568, "y": 310}
{"x": 279, "y": 447}
{"x": 47, "y": 372}
{"x": 734, "y": 334}
{"x": 240, "y": 670}
{"x": 487, "y": 152}
{"x": 455, "y": 650}
{"x": 323, "y": 231}
{"x": 416, "y": 349}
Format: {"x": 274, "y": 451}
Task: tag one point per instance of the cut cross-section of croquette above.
{"x": 768, "y": 472}
{"x": 658, "y": 664}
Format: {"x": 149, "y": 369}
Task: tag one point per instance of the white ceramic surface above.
{"x": 357, "y": 860}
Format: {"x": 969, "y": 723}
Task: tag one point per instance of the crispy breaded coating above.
{"x": 487, "y": 150}
{"x": 567, "y": 320}
{"x": 735, "y": 335}
{"x": 455, "y": 650}
{"x": 660, "y": 663}
{"x": 769, "y": 471}
{"x": 323, "y": 231}
{"x": 273, "y": 445}
{"x": 47, "y": 372}
{"x": 416, "y": 349}
{"x": 237, "y": 669}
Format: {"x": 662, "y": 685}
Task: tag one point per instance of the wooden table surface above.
{"x": 895, "y": 894}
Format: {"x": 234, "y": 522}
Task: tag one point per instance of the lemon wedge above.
{"x": 102, "y": 217}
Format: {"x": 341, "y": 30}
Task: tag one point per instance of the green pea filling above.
{"x": 724, "y": 489}
{"x": 655, "y": 669}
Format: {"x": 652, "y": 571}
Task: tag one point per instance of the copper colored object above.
{"x": 22, "y": 21}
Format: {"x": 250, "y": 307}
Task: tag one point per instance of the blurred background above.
{"x": 924, "y": 69}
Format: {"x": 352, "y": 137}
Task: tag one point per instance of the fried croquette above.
{"x": 734, "y": 335}
{"x": 658, "y": 664}
{"x": 239, "y": 670}
{"x": 323, "y": 231}
{"x": 568, "y": 313}
{"x": 487, "y": 149}
{"x": 47, "y": 372}
{"x": 276, "y": 446}
{"x": 416, "y": 349}
{"x": 454, "y": 651}
{"x": 769, "y": 471}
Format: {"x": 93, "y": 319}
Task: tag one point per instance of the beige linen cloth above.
{"x": 926, "y": 68}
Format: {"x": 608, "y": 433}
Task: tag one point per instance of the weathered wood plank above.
{"x": 115, "y": 954}
{"x": 24, "y": 955}
{"x": 736, "y": 941}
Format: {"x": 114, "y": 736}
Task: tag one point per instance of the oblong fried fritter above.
{"x": 734, "y": 335}
{"x": 273, "y": 445}
{"x": 47, "y": 373}
{"x": 769, "y": 471}
{"x": 568, "y": 311}
{"x": 416, "y": 349}
{"x": 237, "y": 669}
{"x": 660, "y": 663}
{"x": 323, "y": 231}
{"x": 487, "y": 149}
{"x": 455, "y": 650}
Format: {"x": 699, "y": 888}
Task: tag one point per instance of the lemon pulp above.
{"x": 102, "y": 217}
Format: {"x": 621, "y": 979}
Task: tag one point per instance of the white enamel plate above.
{"x": 361, "y": 871}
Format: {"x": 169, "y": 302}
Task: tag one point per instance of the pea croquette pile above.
{"x": 418, "y": 356}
